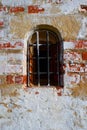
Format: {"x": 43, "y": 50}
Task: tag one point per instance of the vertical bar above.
{"x": 47, "y": 35}
{"x": 28, "y": 63}
{"x": 61, "y": 82}
{"x": 38, "y": 58}
{"x": 58, "y": 57}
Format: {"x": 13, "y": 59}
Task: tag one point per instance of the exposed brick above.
{"x": 24, "y": 79}
{"x": 16, "y": 9}
{"x": 81, "y": 44}
{"x": 76, "y": 67}
{"x": 84, "y": 55}
{"x": 4, "y": 45}
{"x": 83, "y": 8}
{"x": 1, "y": 23}
{"x": 18, "y": 44}
{"x": 10, "y": 79}
{"x": 34, "y": 9}
{"x": 72, "y": 56}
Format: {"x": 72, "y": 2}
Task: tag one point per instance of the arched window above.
{"x": 45, "y": 57}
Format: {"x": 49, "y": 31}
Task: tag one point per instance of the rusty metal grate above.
{"x": 44, "y": 59}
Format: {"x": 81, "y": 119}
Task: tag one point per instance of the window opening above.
{"x": 43, "y": 59}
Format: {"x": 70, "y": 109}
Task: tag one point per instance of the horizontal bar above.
{"x": 39, "y": 44}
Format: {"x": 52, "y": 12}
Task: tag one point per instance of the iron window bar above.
{"x": 58, "y": 56}
{"x": 47, "y": 36}
{"x": 28, "y": 64}
{"x": 38, "y": 44}
{"x": 37, "y": 33}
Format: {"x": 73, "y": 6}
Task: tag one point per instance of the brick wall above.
{"x": 16, "y": 22}
{"x": 75, "y": 59}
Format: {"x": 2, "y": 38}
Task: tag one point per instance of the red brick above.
{"x": 81, "y": 44}
{"x": 84, "y": 55}
{"x": 1, "y": 23}
{"x": 34, "y": 9}
{"x": 5, "y": 45}
{"x": 24, "y": 79}
{"x": 16, "y": 9}
{"x": 10, "y": 79}
{"x": 1, "y": 46}
{"x": 18, "y": 44}
{"x": 83, "y": 8}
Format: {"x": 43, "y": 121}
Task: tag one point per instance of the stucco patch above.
{"x": 67, "y": 25}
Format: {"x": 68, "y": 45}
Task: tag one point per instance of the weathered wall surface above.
{"x": 17, "y": 18}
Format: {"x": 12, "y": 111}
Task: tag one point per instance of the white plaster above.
{"x": 15, "y": 59}
{"x": 2, "y": 33}
{"x": 83, "y": 31}
{"x": 43, "y": 111}
{"x": 69, "y": 45}
{"x": 27, "y": 40}
{"x": 14, "y": 69}
{"x": 86, "y": 68}
{"x": 71, "y": 6}
{"x": 2, "y": 68}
